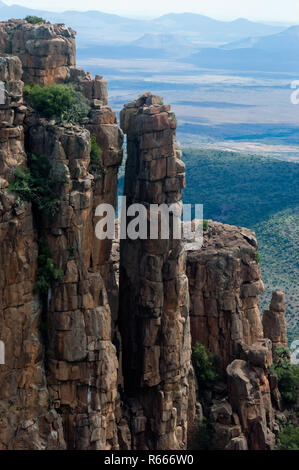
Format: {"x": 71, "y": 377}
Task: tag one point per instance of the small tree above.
{"x": 60, "y": 102}
{"x": 205, "y": 225}
{"x": 289, "y": 438}
{"x": 95, "y": 153}
{"x": 35, "y": 185}
{"x": 206, "y": 366}
{"x": 47, "y": 273}
{"x": 287, "y": 374}
{"x": 34, "y": 19}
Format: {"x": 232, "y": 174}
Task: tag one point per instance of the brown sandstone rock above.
{"x": 47, "y": 51}
{"x": 154, "y": 315}
{"x": 224, "y": 283}
{"x": 250, "y": 397}
{"x": 27, "y": 420}
{"x": 82, "y": 361}
{"x": 274, "y": 322}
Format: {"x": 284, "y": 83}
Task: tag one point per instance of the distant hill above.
{"x": 286, "y": 41}
{"x": 175, "y": 44}
{"x": 120, "y": 51}
{"x": 275, "y": 53}
{"x": 262, "y": 194}
{"x": 211, "y": 29}
{"x": 101, "y": 28}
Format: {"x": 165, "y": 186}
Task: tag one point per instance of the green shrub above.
{"x": 287, "y": 374}
{"x": 258, "y": 257}
{"x": 95, "y": 153}
{"x": 60, "y": 102}
{"x": 289, "y": 438}
{"x": 206, "y": 366}
{"x": 35, "y": 185}
{"x": 205, "y": 225}
{"x": 47, "y": 273}
{"x": 34, "y": 19}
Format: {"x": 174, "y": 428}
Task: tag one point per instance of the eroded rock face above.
{"x": 274, "y": 322}
{"x": 224, "y": 283}
{"x": 27, "y": 421}
{"x": 47, "y": 51}
{"x": 81, "y": 358}
{"x": 59, "y": 385}
{"x": 154, "y": 300}
{"x": 70, "y": 361}
{"x": 250, "y": 396}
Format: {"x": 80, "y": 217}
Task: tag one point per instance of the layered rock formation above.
{"x": 47, "y": 51}
{"x": 81, "y": 359}
{"x": 81, "y": 373}
{"x": 27, "y": 421}
{"x": 63, "y": 353}
{"x": 154, "y": 301}
{"x": 250, "y": 395}
{"x": 224, "y": 282}
{"x": 274, "y": 321}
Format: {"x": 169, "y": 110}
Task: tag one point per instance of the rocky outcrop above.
{"x": 94, "y": 90}
{"x": 27, "y": 421}
{"x": 227, "y": 429}
{"x": 154, "y": 301}
{"x": 224, "y": 283}
{"x": 66, "y": 383}
{"x": 250, "y": 396}
{"x": 274, "y": 321}
{"x": 81, "y": 359}
{"x": 87, "y": 366}
{"x": 47, "y": 51}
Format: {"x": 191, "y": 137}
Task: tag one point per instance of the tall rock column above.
{"x": 102, "y": 125}
{"x": 27, "y": 420}
{"x": 154, "y": 299}
{"x": 274, "y": 322}
{"x": 249, "y": 393}
{"x": 81, "y": 359}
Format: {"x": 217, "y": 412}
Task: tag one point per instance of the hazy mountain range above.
{"x": 95, "y": 25}
{"x": 276, "y": 53}
{"x": 196, "y": 39}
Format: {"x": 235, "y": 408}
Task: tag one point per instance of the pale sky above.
{"x": 268, "y": 10}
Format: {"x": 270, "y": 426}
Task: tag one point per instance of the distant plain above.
{"x": 247, "y": 112}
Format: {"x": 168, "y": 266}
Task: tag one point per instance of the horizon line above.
{"x": 147, "y": 16}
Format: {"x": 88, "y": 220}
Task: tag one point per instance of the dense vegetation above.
{"x": 206, "y": 366}
{"x": 240, "y": 189}
{"x": 47, "y": 273}
{"x": 259, "y": 193}
{"x": 35, "y": 185}
{"x": 289, "y": 438}
{"x": 95, "y": 154}
{"x": 60, "y": 102}
{"x": 34, "y": 19}
{"x": 287, "y": 374}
